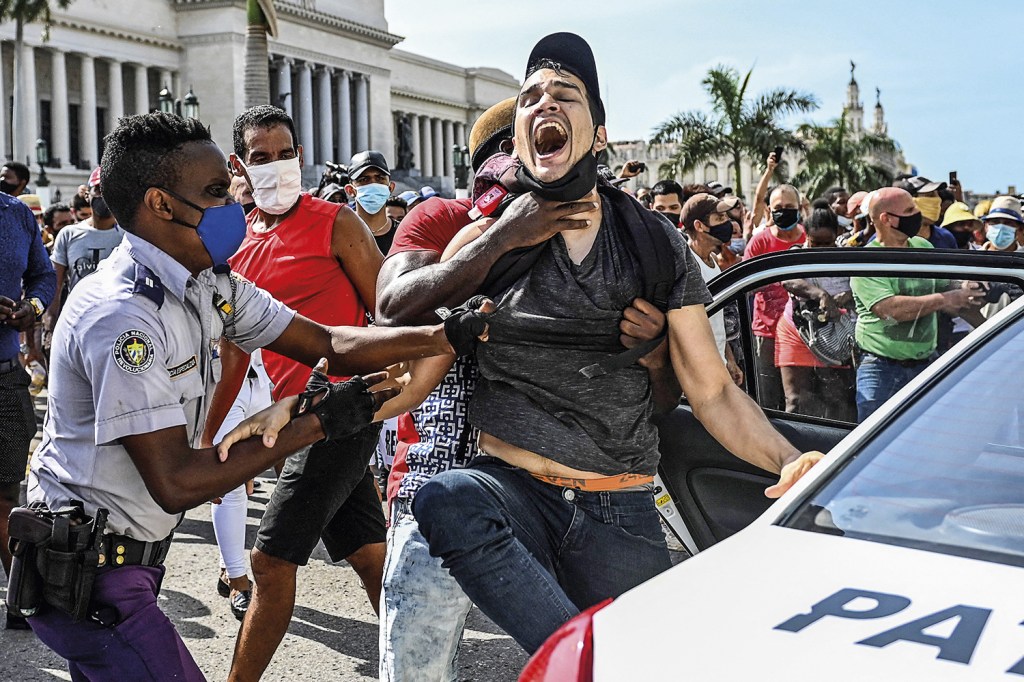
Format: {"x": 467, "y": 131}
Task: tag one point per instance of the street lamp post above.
{"x": 191, "y": 104}
{"x": 166, "y": 98}
{"x": 187, "y": 107}
{"x": 42, "y": 182}
{"x": 460, "y": 162}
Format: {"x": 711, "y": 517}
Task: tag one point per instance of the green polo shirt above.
{"x": 910, "y": 340}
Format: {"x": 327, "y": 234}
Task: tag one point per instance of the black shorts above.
{"x": 17, "y": 425}
{"x": 325, "y": 492}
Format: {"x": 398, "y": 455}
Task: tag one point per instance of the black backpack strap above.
{"x": 646, "y": 239}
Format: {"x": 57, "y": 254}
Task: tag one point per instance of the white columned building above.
{"x": 417, "y": 149}
{"x": 141, "y": 88}
{"x": 60, "y": 144}
{"x": 28, "y": 112}
{"x": 362, "y": 113}
{"x": 344, "y": 117}
{"x": 115, "y": 107}
{"x": 88, "y": 147}
{"x": 100, "y": 64}
{"x": 427, "y": 146}
{"x": 284, "y": 85}
{"x": 325, "y": 112}
{"x": 305, "y": 104}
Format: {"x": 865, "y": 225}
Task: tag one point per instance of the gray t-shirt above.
{"x": 80, "y": 248}
{"x": 558, "y": 318}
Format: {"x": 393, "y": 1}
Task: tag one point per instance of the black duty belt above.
{"x": 120, "y": 550}
{"x": 9, "y": 365}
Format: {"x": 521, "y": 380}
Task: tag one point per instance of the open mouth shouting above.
{"x": 549, "y": 138}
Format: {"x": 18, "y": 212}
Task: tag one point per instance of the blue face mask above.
{"x": 737, "y": 245}
{"x": 1001, "y": 236}
{"x": 372, "y": 197}
{"x": 221, "y": 229}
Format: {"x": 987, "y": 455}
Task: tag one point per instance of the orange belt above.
{"x": 597, "y": 485}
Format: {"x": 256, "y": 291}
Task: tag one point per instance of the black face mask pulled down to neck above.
{"x": 909, "y": 225}
{"x": 8, "y": 188}
{"x": 575, "y": 185}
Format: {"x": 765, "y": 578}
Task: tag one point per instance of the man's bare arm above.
{"x": 358, "y": 350}
{"x": 908, "y": 308}
{"x": 720, "y": 405}
{"x": 421, "y": 377}
{"x": 353, "y": 245}
{"x": 413, "y": 284}
{"x": 180, "y": 478}
{"x": 234, "y": 366}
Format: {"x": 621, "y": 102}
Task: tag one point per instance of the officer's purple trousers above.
{"x": 143, "y": 645}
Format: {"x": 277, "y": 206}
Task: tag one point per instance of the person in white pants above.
{"x": 230, "y": 515}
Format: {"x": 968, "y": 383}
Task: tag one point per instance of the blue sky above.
{"x": 951, "y": 73}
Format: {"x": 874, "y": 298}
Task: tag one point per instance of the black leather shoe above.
{"x": 16, "y": 623}
{"x": 223, "y": 588}
{"x": 240, "y": 603}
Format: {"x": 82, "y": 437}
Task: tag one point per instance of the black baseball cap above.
{"x": 366, "y": 160}
{"x": 921, "y": 185}
{"x": 718, "y": 189}
{"x": 573, "y": 53}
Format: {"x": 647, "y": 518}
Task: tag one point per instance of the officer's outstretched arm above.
{"x": 359, "y": 350}
{"x": 180, "y": 478}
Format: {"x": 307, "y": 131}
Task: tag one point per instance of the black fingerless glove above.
{"x": 464, "y": 324}
{"x": 346, "y": 407}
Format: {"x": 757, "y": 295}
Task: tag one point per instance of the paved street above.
{"x": 333, "y": 634}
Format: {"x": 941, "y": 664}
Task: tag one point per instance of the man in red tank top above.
{"x": 320, "y": 259}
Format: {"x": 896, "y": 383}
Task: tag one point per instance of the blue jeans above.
{"x": 532, "y": 555}
{"x": 422, "y": 611}
{"x": 878, "y": 379}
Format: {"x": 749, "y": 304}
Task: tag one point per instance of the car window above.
{"x": 948, "y": 474}
{"x": 836, "y": 348}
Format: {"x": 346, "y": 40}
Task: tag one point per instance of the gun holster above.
{"x": 56, "y": 554}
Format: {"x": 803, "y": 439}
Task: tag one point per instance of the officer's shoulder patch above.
{"x": 238, "y": 278}
{"x": 148, "y": 284}
{"x": 134, "y": 351}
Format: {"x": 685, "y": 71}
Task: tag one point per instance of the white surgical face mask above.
{"x": 276, "y": 186}
{"x": 844, "y": 222}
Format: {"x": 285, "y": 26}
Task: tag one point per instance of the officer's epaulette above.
{"x": 148, "y": 284}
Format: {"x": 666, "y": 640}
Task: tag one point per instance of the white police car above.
{"x": 899, "y": 557}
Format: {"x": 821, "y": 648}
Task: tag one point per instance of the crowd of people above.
{"x": 838, "y": 346}
{"x": 498, "y": 360}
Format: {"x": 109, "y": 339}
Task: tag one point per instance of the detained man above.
{"x": 565, "y": 471}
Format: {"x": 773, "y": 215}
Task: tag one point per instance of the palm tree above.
{"x": 25, "y": 12}
{"x": 260, "y": 20}
{"x": 736, "y": 126}
{"x": 836, "y": 156}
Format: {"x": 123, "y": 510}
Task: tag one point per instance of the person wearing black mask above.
{"x": 667, "y": 199}
{"x": 782, "y": 232}
{"x": 709, "y": 229}
{"x": 897, "y": 326}
{"x": 14, "y": 177}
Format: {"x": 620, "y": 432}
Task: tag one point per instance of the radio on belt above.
{"x": 488, "y": 202}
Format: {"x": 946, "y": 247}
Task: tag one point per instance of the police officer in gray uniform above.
{"x": 133, "y": 367}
